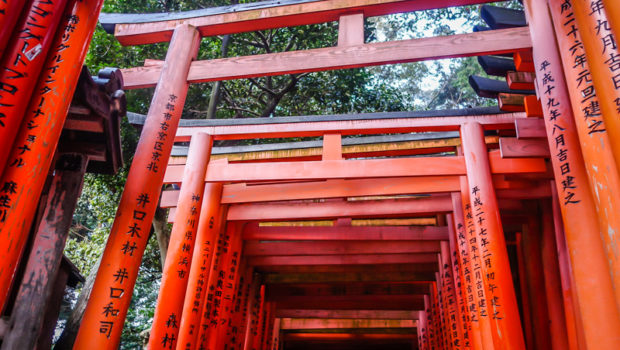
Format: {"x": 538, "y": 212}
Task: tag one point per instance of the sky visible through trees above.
{"x": 429, "y": 85}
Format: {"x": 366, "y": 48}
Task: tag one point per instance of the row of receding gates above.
{"x": 466, "y": 247}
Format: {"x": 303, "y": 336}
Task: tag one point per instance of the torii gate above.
{"x": 210, "y": 296}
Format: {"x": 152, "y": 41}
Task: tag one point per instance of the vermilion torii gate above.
{"x": 247, "y": 269}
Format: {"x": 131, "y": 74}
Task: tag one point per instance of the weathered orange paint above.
{"x": 459, "y": 294}
{"x": 525, "y": 296}
{"x": 450, "y": 298}
{"x": 23, "y": 182}
{"x": 10, "y": 12}
{"x": 612, "y": 8}
{"x": 504, "y": 313}
{"x": 139, "y": 200}
{"x": 176, "y": 271}
{"x": 593, "y": 285}
{"x": 202, "y": 259}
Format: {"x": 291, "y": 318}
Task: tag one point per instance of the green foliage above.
{"x": 436, "y": 85}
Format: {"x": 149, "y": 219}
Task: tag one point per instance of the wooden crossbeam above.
{"x": 339, "y": 208}
{"x": 514, "y": 147}
{"x": 244, "y": 193}
{"x": 348, "y": 260}
{"x": 348, "y": 314}
{"x": 254, "y": 232}
{"x": 253, "y": 248}
{"x": 348, "y": 277}
{"x": 401, "y": 51}
{"x": 315, "y": 127}
{"x": 348, "y": 337}
{"x": 353, "y": 302}
{"x": 139, "y": 29}
{"x": 276, "y": 291}
{"x": 221, "y": 171}
{"x": 317, "y": 323}
{"x": 530, "y": 128}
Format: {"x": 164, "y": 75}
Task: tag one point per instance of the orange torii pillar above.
{"x": 175, "y": 274}
{"x": 553, "y": 287}
{"x": 33, "y": 152}
{"x": 202, "y": 257}
{"x": 601, "y": 49}
{"x": 461, "y": 307}
{"x": 236, "y": 329}
{"x": 443, "y": 309}
{"x": 430, "y": 323}
{"x": 612, "y": 8}
{"x": 234, "y": 267}
{"x": 21, "y": 65}
{"x": 470, "y": 298}
{"x": 535, "y": 282}
{"x": 454, "y": 320}
{"x": 574, "y": 324}
{"x": 501, "y": 298}
{"x": 525, "y": 296}
{"x": 109, "y": 300}
{"x": 601, "y": 322}
{"x": 422, "y": 331}
{"x": 603, "y": 55}
{"x": 595, "y": 143}
{"x": 438, "y": 318}
{"x": 476, "y": 275}
{"x": 260, "y": 324}
{"x": 253, "y": 309}
{"x": 10, "y": 12}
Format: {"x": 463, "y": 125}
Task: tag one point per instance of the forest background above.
{"x": 441, "y": 84}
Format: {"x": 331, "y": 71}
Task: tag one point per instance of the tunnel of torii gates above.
{"x": 469, "y": 229}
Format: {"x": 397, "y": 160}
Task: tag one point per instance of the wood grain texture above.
{"x": 401, "y": 51}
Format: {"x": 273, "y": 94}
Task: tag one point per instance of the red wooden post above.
{"x": 253, "y": 313}
{"x": 612, "y": 8}
{"x": 574, "y": 324}
{"x": 169, "y": 307}
{"x": 106, "y": 310}
{"x": 260, "y": 326}
{"x": 593, "y": 285}
{"x": 236, "y": 330}
{"x": 470, "y": 296}
{"x": 10, "y": 12}
{"x": 536, "y": 283}
{"x": 454, "y": 321}
{"x": 231, "y": 284}
{"x": 525, "y": 295}
{"x": 21, "y": 184}
{"x": 22, "y": 63}
{"x": 596, "y": 146}
{"x": 553, "y": 287}
{"x": 460, "y": 302}
{"x": 603, "y": 55}
{"x": 495, "y": 267}
{"x": 202, "y": 258}
{"x": 446, "y": 335}
{"x": 423, "y": 331}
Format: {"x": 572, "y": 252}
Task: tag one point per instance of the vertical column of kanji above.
{"x": 270, "y": 309}
{"x": 202, "y": 257}
{"x": 462, "y": 259}
{"x": 422, "y": 331}
{"x": 603, "y": 55}
{"x": 231, "y": 285}
{"x": 438, "y": 318}
{"x": 481, "y": 294}
{"x": 31, "y": 157}
{"x": 456, "y": 327}
{"x": 21, "y": 65}
{"x": 253, "y": 309}
{"x": 10, "y": 12}
{"x": 236, "y": 330}
{"x": 496, "y": 267}
{"x": 430, "y": 322}
{"x": 214, "y": 285}
{"x": 535, "y": 281}
{"x": 560, "y": 339}
{"x": 109, "y": 300}
{"x": 596, "y": 148}
{"x": 443, "y": 307}
{"x": 460, "y": 303}
{"x": 169, "y": 307}
{"x": 574, "y": 324}
{"x": 260, "y": 325}
{"x": 593, "y": 285}
{"x": 275, "y": 337}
